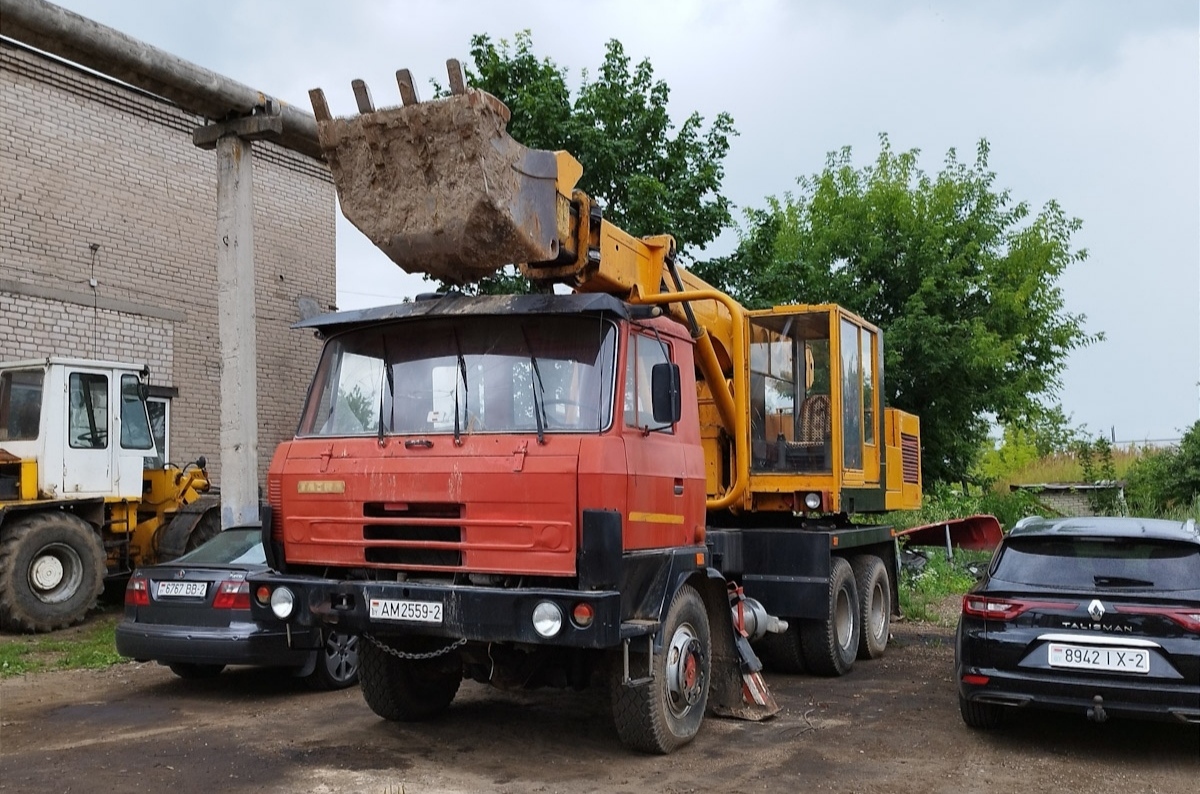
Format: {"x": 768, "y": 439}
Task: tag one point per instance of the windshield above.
{"x": 519, "y": 374}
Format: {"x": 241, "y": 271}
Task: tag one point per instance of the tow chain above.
{"x": 414, "y": 656}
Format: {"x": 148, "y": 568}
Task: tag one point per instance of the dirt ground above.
{"x": 892, "y": 725}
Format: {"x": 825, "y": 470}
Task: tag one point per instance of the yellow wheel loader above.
{"x": 83, "y": 493}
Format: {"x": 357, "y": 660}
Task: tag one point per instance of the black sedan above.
{"x": 193, "y": 614}
{"x": 1097, "y": 616}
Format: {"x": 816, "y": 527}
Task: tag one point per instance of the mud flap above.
{"x": 738, "y": 689}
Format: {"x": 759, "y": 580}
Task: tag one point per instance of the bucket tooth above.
{"x": 320, "y": 106}
{"x": 362, "y": 95}
{"x": 408, "y": 91}
{"x": 458, "y": 83}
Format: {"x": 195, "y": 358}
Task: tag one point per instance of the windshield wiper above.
{"x": 1120, "y": 581}
{"x": 462, "y": 370}
{"x": 391, "y": 386}
{"x": 539, "y": 391}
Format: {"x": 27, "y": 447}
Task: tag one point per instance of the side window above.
{"x": 852, "y": 439}
{"x": 20, "y": 404}
{"x": 87, "y": 421}
{"x": 868, "y": 386}
{"x": 159, "y": 409}
{"x": 135, "y": 426}
{"x": 644, "y": 353}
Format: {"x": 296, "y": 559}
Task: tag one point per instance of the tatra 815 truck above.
{"x": 624, "y": 479}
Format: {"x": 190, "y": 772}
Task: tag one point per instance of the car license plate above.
{"x": 417, "y": 611}
{"x": 182, "y": 589}
{"x": 1118, "y": 660}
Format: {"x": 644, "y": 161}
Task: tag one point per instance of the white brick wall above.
{"x": 86, "y": 161}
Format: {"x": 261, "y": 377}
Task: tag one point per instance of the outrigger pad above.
{"x": 440, "y": 186}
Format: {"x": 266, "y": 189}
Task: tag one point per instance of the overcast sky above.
{"x": 1095, "y": 103}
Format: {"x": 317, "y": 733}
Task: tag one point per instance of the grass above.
{"x": 90, "y": 646}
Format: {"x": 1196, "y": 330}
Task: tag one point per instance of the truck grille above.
{"x": 413, "y": 534}
{"x": 910, "y": 458}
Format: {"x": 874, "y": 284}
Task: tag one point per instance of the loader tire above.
{"x": 875, "y": 605}
{"x": 406, "y": 690}
{"x": 666, "y": 712}
{"x": 831, "y": 644}
{"x": 207, "y": 528}
{"x": 52, "y": 568}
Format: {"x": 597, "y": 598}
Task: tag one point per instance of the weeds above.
{"x": 924, "y": 593}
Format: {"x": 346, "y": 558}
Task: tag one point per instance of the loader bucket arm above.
{"x": 440, "y": 186}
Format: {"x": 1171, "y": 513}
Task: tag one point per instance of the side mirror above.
{"x": 665, "y": 392}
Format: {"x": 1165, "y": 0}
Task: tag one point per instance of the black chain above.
{"x": 415, "y": 656}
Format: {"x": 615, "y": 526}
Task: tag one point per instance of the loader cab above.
{"x": 83, "y": 424}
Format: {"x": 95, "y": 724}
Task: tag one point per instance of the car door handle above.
{"x": 679, "y": 486}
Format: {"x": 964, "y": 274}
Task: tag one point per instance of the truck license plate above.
{"x": 182, "y": 589}
{"x": 417, "y": 611}
{"x": 1119, "y": 660}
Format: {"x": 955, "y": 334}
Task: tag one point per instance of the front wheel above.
{"x": 52, "y": 568}
{"x": 666, "y": 712}
{"x": 831, "y": 644}
{"x": 402, "y": 689}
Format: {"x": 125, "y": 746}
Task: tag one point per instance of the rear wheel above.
{"x": 52, "y": 568}
{"x": 337, "y": 662}
{"x": 406, "y": 690}
{"x": 875, "y": 605}
{"x": 830, "y": 645}
{"x": 195, "y": 672}
{"x": 666, "y": 712}
{"x": 783, "y": 652}
{"x": 980, "y": 715}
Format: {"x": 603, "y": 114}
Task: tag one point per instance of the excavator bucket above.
{"x": 440, "y": 186}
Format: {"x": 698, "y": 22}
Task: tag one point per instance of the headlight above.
{"x": 283, "y": 601}
{"x": 547, "y": 619}
{"x": 812, "y": 500}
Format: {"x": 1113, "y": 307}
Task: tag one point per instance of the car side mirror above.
{"x": 665, "y": 391}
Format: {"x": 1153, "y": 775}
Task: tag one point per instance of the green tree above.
{"x": 962, "y": 279}
{"x": 650, "y": 177}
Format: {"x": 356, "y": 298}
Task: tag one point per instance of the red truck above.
{"x": 639, "y": 484}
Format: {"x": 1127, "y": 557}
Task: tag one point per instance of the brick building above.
{"x": 108, "y": 246}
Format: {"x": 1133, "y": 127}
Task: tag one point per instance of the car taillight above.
{"x": 1005, "y": 608}
{"x": 232, "y": 595}
{"x": 1188, "y": 618}
{"x": 137, "y": 592}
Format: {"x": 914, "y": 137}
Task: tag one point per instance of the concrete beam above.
{"x": 198, "y": 90}
{"x": 237, "y": 322}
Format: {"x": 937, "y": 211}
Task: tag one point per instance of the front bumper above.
{"x": 483, "y": 614}
{"x": 247, "y": 643}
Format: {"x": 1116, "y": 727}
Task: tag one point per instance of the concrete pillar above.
{"x": 237, "y": 322}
